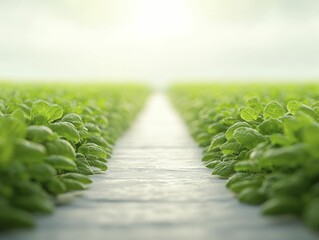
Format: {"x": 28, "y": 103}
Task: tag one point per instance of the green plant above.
{"x": 263, "y": 138}
{"x": 52, "y": 137}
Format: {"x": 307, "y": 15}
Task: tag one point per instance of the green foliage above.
{"x": 273, "y": 110}
{"x": 42, "y": 112}
{"x": 61, "y": 162}
{"x": 28, "y": 152}
{"x": 39, "y": 134}
{"x": 89, "y": 149}
{"x": 34, "y": 203}
{"x": 60, "y": 147}
{"x": 270, "y": 126}
{"x": 79, "y": 177}
{"x": 42, "y": 172}
{"x": 73, "y": 118}
{"x": 51, "y": 137}
{"x": 66, "y": 130}
{"x": 73, "y": 184}
{"x": 12, "y": 217}
{"x": 281, "y": 205}
{"x": 224, "y": 168}
{"x": 230, "y": 131}
{"x": 248, "y": 137}
{"x": 251, "y": 195}
{"x": 270, "y": 146}
{"x": 311, "y": 213}
{"x": 248, "y": 114}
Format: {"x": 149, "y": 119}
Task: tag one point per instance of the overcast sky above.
{"x": 159, "y": 40}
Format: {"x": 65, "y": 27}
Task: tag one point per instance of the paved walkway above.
{"x": 157, "y": 188}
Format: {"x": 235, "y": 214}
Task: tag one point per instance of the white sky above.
{"x": 159, "y": 40}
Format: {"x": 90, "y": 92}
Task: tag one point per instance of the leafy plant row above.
{"x": 52, "y": 137}
{"x": 263, "y": 138}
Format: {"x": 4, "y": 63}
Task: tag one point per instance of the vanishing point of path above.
{"x": 157, "y": 188}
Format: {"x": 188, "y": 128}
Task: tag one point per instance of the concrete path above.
{"x": 157, "y": 188}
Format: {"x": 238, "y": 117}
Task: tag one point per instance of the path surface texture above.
{"x": 157, "y": 188}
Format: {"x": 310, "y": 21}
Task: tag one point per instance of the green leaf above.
{"x": 231, "y": 147}
{"x": 279, "y": 139}
{"x": 99, "y": 140}
{"x": 255, "y": 104}
{"x": 291, "y": 185}
{"x": 12, "y": 128}
{"x": 6, "y": 152}
{"x": 212, "y": 164}
{"x": 282, "y": 205}
{"x": 294, "y": 106}
{"x": 245, "y": 183}
{"x": 83, "y": 165}
{"x": 92, "y": 128}
{"x": 60, "y": 147}
{"x": 73, "y": 118}
{"x": 79, "y": 177}
{"x": 102, "y": 120}
{"x": 85, "y": 170}
{"x": 224, "y": 169}
{"x": 41, "y": 172}
{"x": 34, "y": 203}
{"x": 39, "y": 134}
{"x": 231, "y": 130}
{"x": 311, "y": 214}
{"x": 215, "y": 128}
{"x": 310, "y": 137}
{"x": 55, "y": 186}
{"x": 61, "y": 162}
{"x": 204, "y": 139}
{"x": 84, "y": 133}
{"x": 98, "y": 164}
{"x": 270, "y": 126}
{"x": 19, "y": 114}
{"x": 269, "y": 181}
{"x": 251, "y": 195}
{"x": 28, "y": 187}
{"x": 248, "y": 137}
{"x": 273, "y": 110}
{"x": 248, "y": 114}
{"x": 258, "y": 151}
{"x": 211, "y": 156}
{"x": 309, "y": 111}
{"x": 88, "y": 149}
{"x": 28, "y": 152}
{"x": 73, "y": 185}
{"x": 42, "y": 112}
{"x": 290, "y": 156}
{"x": 293, "y": 127}
{"x": 218, "y": 140}
{"x": 12, "y": 217}
{"x": 6, "y": 191}
{"x": 229, "y": 121}
{"x": 236, "y": 177}
{"x": 247, "y": 166}
{"x": 66, "y": 130}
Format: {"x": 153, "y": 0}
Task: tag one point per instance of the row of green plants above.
{"x": 52, "y": 137}
{"x": 263, "y": 138}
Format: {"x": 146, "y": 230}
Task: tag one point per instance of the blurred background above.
{"x": 159, "y": 41}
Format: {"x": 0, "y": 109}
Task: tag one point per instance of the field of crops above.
{"x": 263, "y": 138}
{"x": 52, "y": 137}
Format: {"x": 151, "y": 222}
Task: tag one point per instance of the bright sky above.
{"x": 159, "y": 40}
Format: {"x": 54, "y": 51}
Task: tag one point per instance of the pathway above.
{"x": 157, "y": 188}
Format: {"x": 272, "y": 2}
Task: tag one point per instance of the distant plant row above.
{"x": 263, "y": 138}
{"x": 52, "y": 137}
